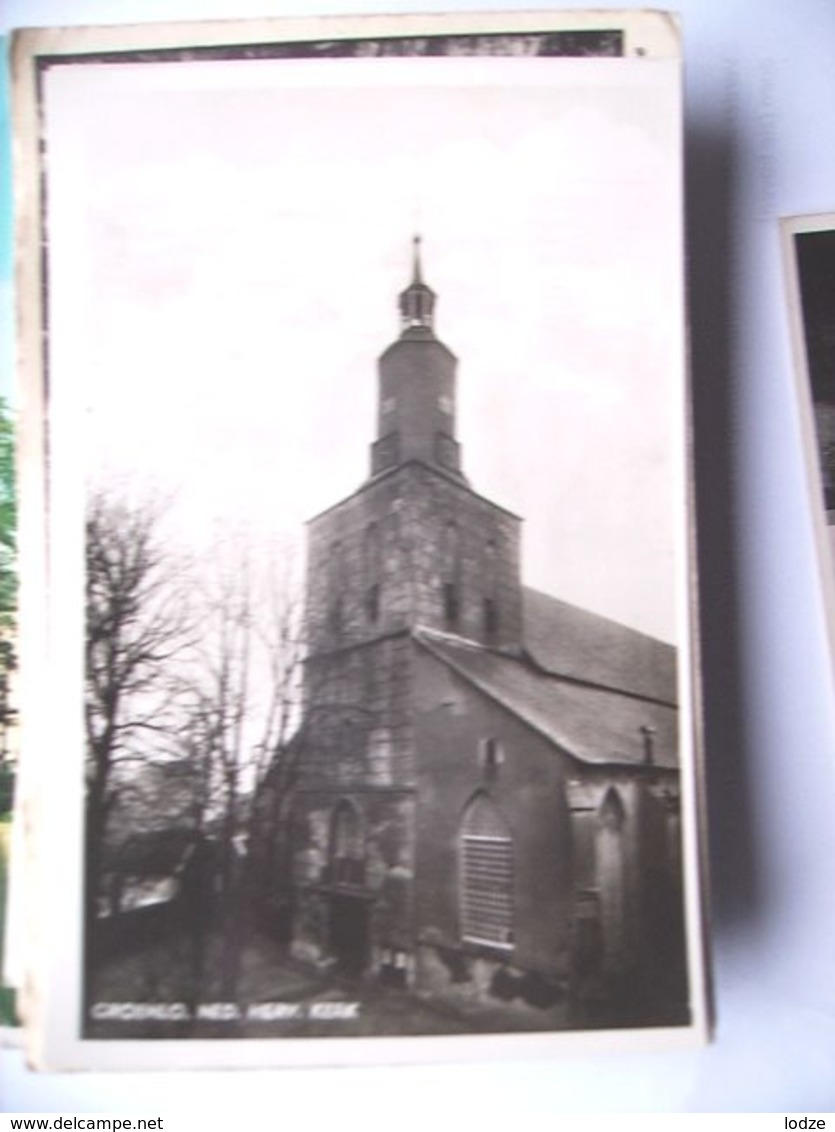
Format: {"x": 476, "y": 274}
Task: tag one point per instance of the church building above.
{"x": 485, "y": 803}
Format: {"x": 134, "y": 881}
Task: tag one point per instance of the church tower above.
{"x": 414, "y": 545}
{"x": 413, "y": 548}
{"x": 416, "y": 408}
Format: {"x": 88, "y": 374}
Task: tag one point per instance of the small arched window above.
{"x": 491, "y": 757}
{"x": 347, "y": 849}
{"x": 612, "y": 813}
{"x": 485, "y": 849}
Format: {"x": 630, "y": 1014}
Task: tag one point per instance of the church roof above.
{"x": 568, "y": 641}
{"x": 595, "y": 724}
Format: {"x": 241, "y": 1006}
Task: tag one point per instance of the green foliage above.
{"x": 8, "y": 597}
{"x": 8, "y": 519}
{"x": 7, "y": 1012}
{"x": 7, "y": 783}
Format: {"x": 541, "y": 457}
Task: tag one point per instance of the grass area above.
{"x": 7, "y": 1010}
{"x": 164, "y": 973}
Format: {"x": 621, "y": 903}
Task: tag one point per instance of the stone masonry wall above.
{"x": 383, "y": 560}
{"x": 358, "y": 725}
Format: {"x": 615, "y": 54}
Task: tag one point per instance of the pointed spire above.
{"x": 417, "y": 277}
{"x": 417, "y": 302}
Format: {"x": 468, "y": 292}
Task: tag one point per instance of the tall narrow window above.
{"x": 347, "y": 854}
{"x": 372, "y": 603}
{"x": 491, "y": 757}
{"x": 612, "y": 880}
{"x": 451, "y": 609}
{"x": 372, "y": 562}
{"x": 490, "y": 605}
{"x": 491, "y": 619}
{"x": 450, "y": 576}
{"x": 486, "y": 875}
{"x": 336, "y": 585}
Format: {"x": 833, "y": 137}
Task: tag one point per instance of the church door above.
{"x": 349, "y": 933}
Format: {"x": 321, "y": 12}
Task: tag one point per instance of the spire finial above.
{"x": 417, "y": 301}
{"x": 417, "y": 277}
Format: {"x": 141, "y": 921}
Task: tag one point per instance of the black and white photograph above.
{"x": 359, "y": 438}
{"x": 809, "y": 254}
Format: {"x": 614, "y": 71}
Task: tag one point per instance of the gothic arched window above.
{"x": 485, "y": 850}
{"x": 612, "y": 878}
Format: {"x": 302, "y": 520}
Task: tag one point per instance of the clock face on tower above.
{"x": 416, "y": 391}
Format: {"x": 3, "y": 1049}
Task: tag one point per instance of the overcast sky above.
{"x": 227, "y": 241}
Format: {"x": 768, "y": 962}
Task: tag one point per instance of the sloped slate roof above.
{"x": 569, "y": 641}
{"x": 594, "y": 724}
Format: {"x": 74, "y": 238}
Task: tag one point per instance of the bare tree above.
{"x": 243, "y": 707}
{"x": 136, "y": 633}
{"x": 193, "y": 687}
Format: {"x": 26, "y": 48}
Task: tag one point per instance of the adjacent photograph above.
{"x": 357, "y": 473}
{"x": 809, "y": 262}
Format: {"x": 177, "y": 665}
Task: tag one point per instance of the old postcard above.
{"x": 809, "y": 255}
{"x": 359, "y": 675}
